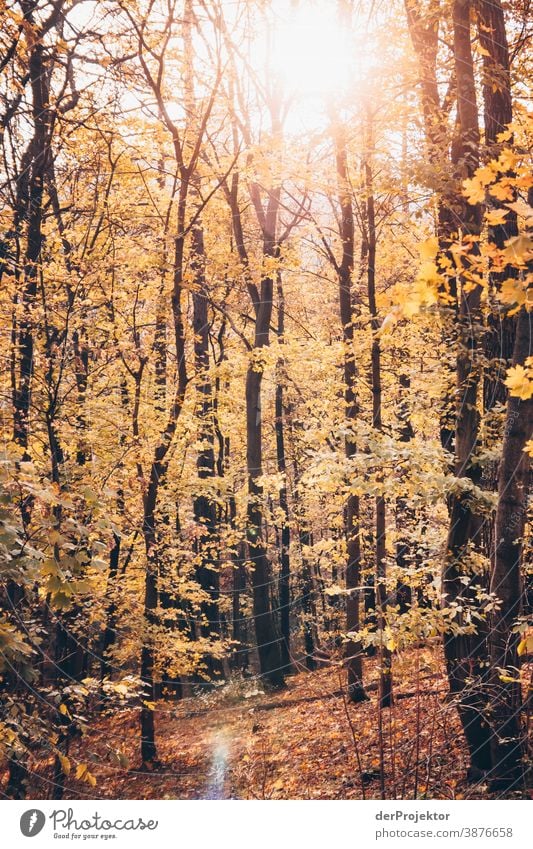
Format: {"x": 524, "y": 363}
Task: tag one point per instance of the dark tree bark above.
{"x": 156, "y": 478}
{"x": 285, "y": 536}
{"x": 405, "y": 517}
{"x": 353, "y": 651}
{"x": 109, "y": 632}
{"x": 466, "y": 654}
{"x": 267, "y": 633}
{"x": 240, "y": 657}
{"x": 32, "y": 201}
{"x": 507, "y": 743}
{"x": 308, "y": 606}
{"x": 500, "y": 330}
{"x": 28, "y": 226}
{"x": 268, "y": 640}
{"x": 498, "y": 108}
{"x": 204, "y": 505}
{"x": 442, "y": 149}
{"x": 385, "y": 682}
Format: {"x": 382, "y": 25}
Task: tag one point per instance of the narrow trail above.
{"x": 304, "y": 743}
{"x": 215, "y": 788}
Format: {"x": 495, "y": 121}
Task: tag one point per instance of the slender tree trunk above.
{"x": 109, "y": 632}
{"x": 501, "y": 329}
{"x": 157, "y": 475}
{"x": 353, "y": 651}
{"x": 240, "y": 656}
{"x": 507, "y": 744}
{"x": 498, "y": 111}
{"x": 405, "y": 517}
{"x": 204, "y": 504}
{"x": 385, "y": 683}
{"x": 267, "y": 633}
{"x": 109, "y": 636}
{"x": 285, "y": 566}
{"x": 148, "y": 745}
{"x": 38, "y": 165}
{"x": 268, "y": 639}
{"x": 466, "y": 654}
{"x": 309, "y": 612}
{"x": 424, "y": 23}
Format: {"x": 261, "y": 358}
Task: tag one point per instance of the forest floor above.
{"x": 305, "y": 742}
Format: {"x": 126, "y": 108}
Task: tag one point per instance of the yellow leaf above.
{"x": 494, "y": 217}
{"x": 486, "y": 174}
{"x": 523, "y": 209}
{"x": 507, "y": 159}
{"x": 504, "y": 136}
{"x": 65, "y": 764}
{"x": 519, "y": 382}
{"x": 519, "y": 250}
{"x": 512, "y": 292}
{"x": 502, "y": 190}
{"x": 83, "y": 774}
{"x": 474, "y": 190}
{"x": 429, "y": 248}
{"x": 526, "y": 645}
{"x": 411, "y": 306}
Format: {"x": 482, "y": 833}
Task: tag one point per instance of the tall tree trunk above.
{"x": 309, "y": 612}
{"x": 158, "y": 470}
{"x": 285, "y": 566}
{"x": 240, "y": 657}
{"x": 507, "y": 743}
{"x": 353, "y": 651}
{"x": 148, "y": 744}
{"x": 405, "y": 516}
{"x": 268, "y": 639}
{"x": 204, "y": 504}
{"x": 500, "y": 331}
{"x": 423, "y": 23}
{"x": 385, "y": 681}
{"x": 267, "y": 632}
{"x": 38, "y": 165}
{"x": 466, "y": 654}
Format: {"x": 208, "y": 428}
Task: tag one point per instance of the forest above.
{"x": 266, "y": 399}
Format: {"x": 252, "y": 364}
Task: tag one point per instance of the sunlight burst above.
{"x": 310, "y": 50}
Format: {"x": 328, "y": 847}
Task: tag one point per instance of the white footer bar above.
{"x": 267, "y": 825}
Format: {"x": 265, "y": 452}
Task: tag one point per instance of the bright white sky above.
{"x": 310, "y": 50}
{"x": 316, "y": 61}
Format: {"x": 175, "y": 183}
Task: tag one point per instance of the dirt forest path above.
{"x": 305, "y": 742}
